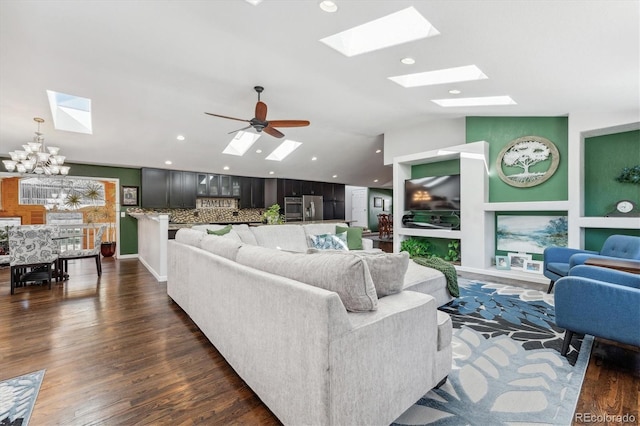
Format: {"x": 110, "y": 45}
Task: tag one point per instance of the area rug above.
{"x": 17, "y": 398}
{"x": 507, "y": 367}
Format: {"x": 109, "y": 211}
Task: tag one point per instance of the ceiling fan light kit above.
{"x": 259, "y": 121}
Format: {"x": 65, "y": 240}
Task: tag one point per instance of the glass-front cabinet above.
{"x": 212, "y": 185}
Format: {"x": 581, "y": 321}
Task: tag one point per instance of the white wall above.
{"x": 423, "y": 137}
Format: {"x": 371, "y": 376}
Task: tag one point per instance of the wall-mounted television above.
{"x": 432, "y": 193}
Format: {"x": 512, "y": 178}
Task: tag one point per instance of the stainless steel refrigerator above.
{"x": 312, "y": 208}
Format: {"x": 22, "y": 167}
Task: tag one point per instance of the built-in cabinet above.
{"x": 214, "y": 185}
{"x": 182, "y": 190}
{"x": 251, "y": 193}
{"x": 333, "y": 195}
{"x": 163, "y": 189}
{"x": 155, "y": 189}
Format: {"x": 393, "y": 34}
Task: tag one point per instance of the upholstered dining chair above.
{"x": 32, "y": 254}
{"x": 85, "y": 253}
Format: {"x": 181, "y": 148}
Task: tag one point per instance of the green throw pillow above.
{"x": 220, "y": 231}
{"x": 354, "y": 237}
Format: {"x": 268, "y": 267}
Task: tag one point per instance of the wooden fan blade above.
{"x": 273, "y": 132}
{"x": 261, "y": 111}
{"x": 288, "y": 123}
{"x": 230, "y": 118}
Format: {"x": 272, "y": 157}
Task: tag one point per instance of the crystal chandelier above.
{"x": 36, "y": 158}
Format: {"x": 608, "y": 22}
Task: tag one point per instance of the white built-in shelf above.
{"x": 527, "y": 206}
{"x": 609, "y": 222}
{"x": 509, "y": 274}
{"x": 432, "y": 233}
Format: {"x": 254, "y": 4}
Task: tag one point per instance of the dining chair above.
{"x": 85, "y": 253}
{"x": 32, "y": 254}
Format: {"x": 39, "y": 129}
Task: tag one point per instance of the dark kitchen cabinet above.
{"x": 251, "y": 193}
{"x": 154, "y": 188}
{"x": 182, "y": 190}
{"x": 333, "y": 210}
{"x": 292, "y": 188}
{"x": 213, "y": 185}
{"x": 311, "y": 188}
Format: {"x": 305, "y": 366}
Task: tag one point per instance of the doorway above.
{"x": 359, "y": 210}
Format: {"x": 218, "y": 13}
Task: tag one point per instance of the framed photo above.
{"x": 377, "y": 202}
{"x": 516, "y": 260}
{"x": 129, "y": 196}
{"x": 386, "y": 205}
{"x": 533, "y": 266}
{"x": 502, "y": 262}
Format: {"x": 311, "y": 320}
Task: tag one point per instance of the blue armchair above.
{"x": 559, "y": 260}
{"x": 601, "y": 302}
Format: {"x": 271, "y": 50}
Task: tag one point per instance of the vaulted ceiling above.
{"x": 152, "y": 68}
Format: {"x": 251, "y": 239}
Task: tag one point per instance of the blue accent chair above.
{"x": 559, "y": 260}
{"x": 598, "y": 301}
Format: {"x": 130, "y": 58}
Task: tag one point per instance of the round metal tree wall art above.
{"x": 533, "y": 157}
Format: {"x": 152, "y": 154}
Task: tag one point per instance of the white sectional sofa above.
{"x": 263, "y": 304}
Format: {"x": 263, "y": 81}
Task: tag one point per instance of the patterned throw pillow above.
{"x": 329, "y": 241}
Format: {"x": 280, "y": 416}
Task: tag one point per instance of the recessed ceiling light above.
{"x": 375, "y": 180}
{"x": 168, "y": 162}
{"x": 254, "y": 2}
{"x": 271, "y": 172}
{"x": 454, "y": 91}
{"x": 259, "y": 151}
{"x": 448, "y": 75}
{"x": 283, "y": 150}
{"x": 240, "y": 143}
{"x": 314, "y": 158}
{"x": 328, "y": 6}
{"x": 335, "y": 176}
{"x": 225, "y": 168}
{"x": 180, "y": 138}
{"x": 408, "y": 61}
{"x": 482, "y": 101}
{"x": 396, "y": 28}
{"x": 378, "y": 151}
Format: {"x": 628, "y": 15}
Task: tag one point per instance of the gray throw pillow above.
{"x": 387, "y": 269}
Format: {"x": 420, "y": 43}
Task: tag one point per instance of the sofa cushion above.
{"x": 245, "y": 234}
{"x": 282, "y": 237}
{"x": 190, "y": 236}
{"x": 346, "y": 275}
{"x": 387, "y": 269}
{"x": 225, "y": 247}
{"x": 329, "y": 241}
{"x": 354, "y": 236}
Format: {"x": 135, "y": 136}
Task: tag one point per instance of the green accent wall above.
{"x": 387, "y": 197}
{"x": 440, "y": 168}
{"x": 604, "y": 159}
{"x": 499, "y": 131}
{"x": 594, "y": 237}
{"x": 129, "y": 177}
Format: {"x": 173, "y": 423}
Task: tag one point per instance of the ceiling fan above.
{"x": 260, "y": 123}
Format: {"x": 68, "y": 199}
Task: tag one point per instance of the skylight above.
{"x": 283, "y": 150}
{"x": 241, "y": 143}
{"x": 397, "y": 28}
{"x": 70, "y": 113}
{"x": 482, "y": 101}
{"x": 448, "y": 75}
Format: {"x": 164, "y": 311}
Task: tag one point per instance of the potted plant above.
{"x": 272, "y": 215}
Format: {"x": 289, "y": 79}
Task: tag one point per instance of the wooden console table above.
{"x": 621, "y": 265}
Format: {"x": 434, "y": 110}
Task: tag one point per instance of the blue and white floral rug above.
{"x": 507, "y": 367}
{"x": 17, "y": 398}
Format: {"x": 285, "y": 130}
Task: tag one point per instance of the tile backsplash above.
{"x": 206, "y": 215}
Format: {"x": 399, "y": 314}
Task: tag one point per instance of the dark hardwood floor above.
{"x": 118, "y": 351}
